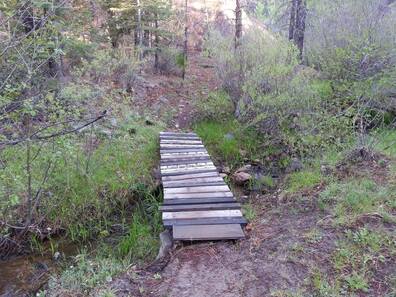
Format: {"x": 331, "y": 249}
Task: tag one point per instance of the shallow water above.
{"x": 25, "y": 274}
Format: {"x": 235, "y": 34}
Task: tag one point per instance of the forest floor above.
{"x": 291, "y": 243}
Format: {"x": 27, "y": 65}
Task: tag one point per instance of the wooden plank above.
{"x": 193, "y": 160}
{"x": 192, "y": 183}
{"x": 207, "y": 221}
{"x": 206, "y": 206}
{"x": 178, "y": 141}
{"x": 191, "y": 201}
{"x": 204, "y": 214}
{"x": 181, "y": 171}
{"x": 166, "y": 137}
{"x": 180, "y": 146}
{"x": 193, "y": 180}
{"x": 181, "y": 150}
{"x": 179, "y": 134}
{"x": 188, "y": 176}
{"x": 197, "y": 195}
{"x": 208, "y": 232}
{"x": 184, "y": 185}
{"x": 204, "y": 189}
{"x": 184, "y": 155}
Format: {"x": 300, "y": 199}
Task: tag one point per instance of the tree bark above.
{"x": 156, "y": 44}
{"x": 238, "y": 23}
{"x": 140, "y": 31}
{"x": 292, "y": 19}
{"x": 299, "y": 34}
{"x": 185, "y": 47}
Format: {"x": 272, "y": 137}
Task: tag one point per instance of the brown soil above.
{"x": 276, "y": 256}
{"x": 287, "y": 243}
{"x": 171, "y": 98}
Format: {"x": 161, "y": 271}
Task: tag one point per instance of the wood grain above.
{"x": 208, "y": 232}
{"x": 202, "y": 214}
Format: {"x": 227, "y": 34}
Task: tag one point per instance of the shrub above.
{"x": 217, "y": 106}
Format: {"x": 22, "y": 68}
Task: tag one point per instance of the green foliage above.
{"x": 217, "y": 106}
{"x": 249, "y": 212}
{"x": 301, "y": 180}
{"x": 87, "y": 184}
{"x": 142, "y": 240}
{"x": 229, "y": 141}
{"x": 86, "y": 274}
{"x": 357, "y": 197}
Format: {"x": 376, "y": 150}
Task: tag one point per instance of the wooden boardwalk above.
{"x": 198, "y": 205}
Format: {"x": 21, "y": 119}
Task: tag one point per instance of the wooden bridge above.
{"x": 198, "y": 205}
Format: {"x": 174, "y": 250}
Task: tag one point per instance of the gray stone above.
{"x": 166, "y": 244}
{"x": 295, "y": 165}
{"x": 241, "y": 178}
{"x": 57, "y": 256}
{"x": 245, "y": 168}
{"x": 229, "y": 136}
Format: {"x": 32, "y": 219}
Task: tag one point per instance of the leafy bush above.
{"x": 171, "y": 61}
{"x": 217, "y": 106}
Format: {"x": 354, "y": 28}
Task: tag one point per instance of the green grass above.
{"x": 229, "y": 141}
{"x": 304, "y": 179}
{"x": 93, "y": 179}
{"x": 249, "y": 212}
{"x": 385, "y": 141}
{"x": 348, "y": 200}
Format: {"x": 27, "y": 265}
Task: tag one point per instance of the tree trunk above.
{"x": 301, "y": 15}
{"x": 156, "y": 44}
{"x": 238, "y": 23}
{"x": 185, "y": 48}
{"x": 292, "y": 24}
{"x": 140, "y": 31}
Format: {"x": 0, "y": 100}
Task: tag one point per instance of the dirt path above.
{"x": 276, "y": 259}
{"x": 172, "y": 99}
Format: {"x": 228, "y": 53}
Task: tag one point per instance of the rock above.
{"x": 245, "y": 168}
{"x": 244, "y": 199}
{"x": 113, "y": 122}
{"x": 326, "y": 170}
{"x": 57, "y": 256}
{"x": 241, "y": 178}
{"x": 295, "y": 165}
{"x": 223, "y": 175}
{"x": 229, "y": 136}
{"x": 226, "y": 170}
{"x": 166, "y": 244}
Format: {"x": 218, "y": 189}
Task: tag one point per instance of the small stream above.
{"x": 22, "y": 275}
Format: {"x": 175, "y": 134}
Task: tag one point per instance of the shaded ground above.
{"x": 290, "y": 246}
{"x": 277, "y": 256}
{"x": 169, "y": 97}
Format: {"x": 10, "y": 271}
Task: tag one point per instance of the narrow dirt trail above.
{"x": 275, "y": 259}
{"x": 171, "y": 98}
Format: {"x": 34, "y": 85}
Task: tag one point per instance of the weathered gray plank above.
{"x": 186, "y": 176}
{"x": 184, "y": 155}
{"x": 173, "y": 173}
{"x": 166, "y": 137}
{"x": 204, "y": 189}
{"x": 206, "y": 221}
{"x": 178, "y": 134}
{"x": 206, "y": 206}
{"x": 193, "y": 160}
{"x": 197, "y": 195}
{"x": 181, "y": 150}
{"x": 231, "y": 213}
{"x": 193, "y": 183}
{"x": 181, "y": 146}
{"x": 184, "y": 170}
{"x": 191, "y": 201}
{"x": 208, "y": 232}
{"x": 178, "y": 141}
